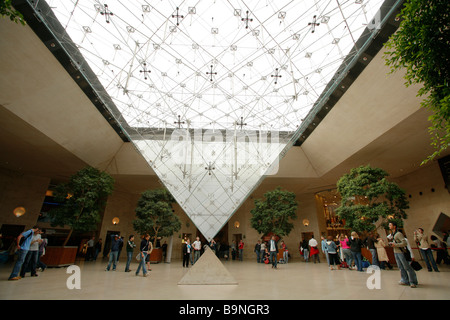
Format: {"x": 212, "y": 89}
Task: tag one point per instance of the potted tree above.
{"x": 155, "y": 216}
{"x": 273, "y": 214}
{"x": 370, "y": 201}
{"x": 420, "y": 49}
{"x": 81, "y": 200}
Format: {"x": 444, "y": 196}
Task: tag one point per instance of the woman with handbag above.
{"x": 144, "y": 251}
{"x": 383, "y": 258}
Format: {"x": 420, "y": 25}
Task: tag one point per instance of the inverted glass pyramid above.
{"x": 212, "y": 92}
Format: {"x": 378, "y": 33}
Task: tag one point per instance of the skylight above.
{"x": 215, "y": 91}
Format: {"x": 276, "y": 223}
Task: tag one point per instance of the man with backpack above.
{"x": 23, "y": 246}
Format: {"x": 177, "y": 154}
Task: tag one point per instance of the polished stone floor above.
{"x": 296, "y": 280}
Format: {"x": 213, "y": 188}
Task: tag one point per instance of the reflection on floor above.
{"x": 296, "y": 280}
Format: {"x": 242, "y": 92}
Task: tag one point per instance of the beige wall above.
{"x": 424, "y": 209}
{"x": 19, "y": 190}
{"x": 29, "y": 191}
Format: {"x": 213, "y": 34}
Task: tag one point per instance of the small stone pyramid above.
{"x": 208, "y": 270}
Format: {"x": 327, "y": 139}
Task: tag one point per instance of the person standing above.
{"x": 186, "y": 252}
{"x": 23, "y": 251}
{"x": 314, "y": 252}
{"x": 305, "y": 249}
{"x": 407, "y": 273}
{"x": 98, "y": 248}
{"x": 383, "y": 258}
{"x": 273, "y": 250}
{"x": 197, "y": 247}
{"x": 144, "y": 248}
{"x": 40, "y": 265}
{"x": 241, "y": 250}
{"x": 425, "y": 248}
{"x": 356, "y": 244}
{"x": 258, "y": 251}
{"x": 370, "y": 243}
{"x": 116, "y": 240}
{"x": 346, "y": 252}
{"x": 331, "y": 249}
{"x": 130, "y": 247}
{"x": 90, "y": 249}
{"x": 285, "y": 252}
{"x": 233, "y": 250}
{"x": 262, "y": 251}
{"x": 324, "y": 248}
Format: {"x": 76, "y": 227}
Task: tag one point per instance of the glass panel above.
{"x": 213, "y": 92}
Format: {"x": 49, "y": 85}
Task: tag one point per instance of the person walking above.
{"x": 407, "y": 274}
{"x": 144, "y": 249}
{"x": 304, "y": 249}
{"x": 130, "y": 247}
{"x": 23, "y": 251}
{"x": 273, "y": 250}
{"x": 425, "y": 248}
{"x": 31, "y": 259}
{"x": 40, "y": 265}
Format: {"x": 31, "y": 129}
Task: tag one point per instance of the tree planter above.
{"x": 156, "y": 255}
{"x": 59, "y": 256}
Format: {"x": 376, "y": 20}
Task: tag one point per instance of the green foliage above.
{"x": 367, "y": 196}
{"x": 421, "y": 48}
{"x": 7, "y": 10}
{"x": 154, "y": 214}
{"x": 273, "y": 214}
{"x": 82, "y": 199}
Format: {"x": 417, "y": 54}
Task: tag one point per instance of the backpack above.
{"x": 22, "y": 240}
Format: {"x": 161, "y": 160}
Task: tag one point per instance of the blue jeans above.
{"x": 196, "y": 255}
{"x": 112, "y": 259}
{"x": 241, "y": 254}
{"x": 142, "y": 264}
{"x": 18, "y": 265}
{"x": 407, "y": 273}
{"x": 357, "y": 257}
{"x": 374, "y": 257}
{"x": 129, "y": 257}
{"x": 30, "y": 263}
{"x": 258, "y": 256}
{"x": 428, "y": 257}
{"x": 348, "y": 257}
{"x": 273, "y": 258}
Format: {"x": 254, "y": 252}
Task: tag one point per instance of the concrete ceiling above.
{"x": 48, "y": 127}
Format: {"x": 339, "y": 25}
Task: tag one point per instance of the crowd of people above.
{"x": 341, "y": 252}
